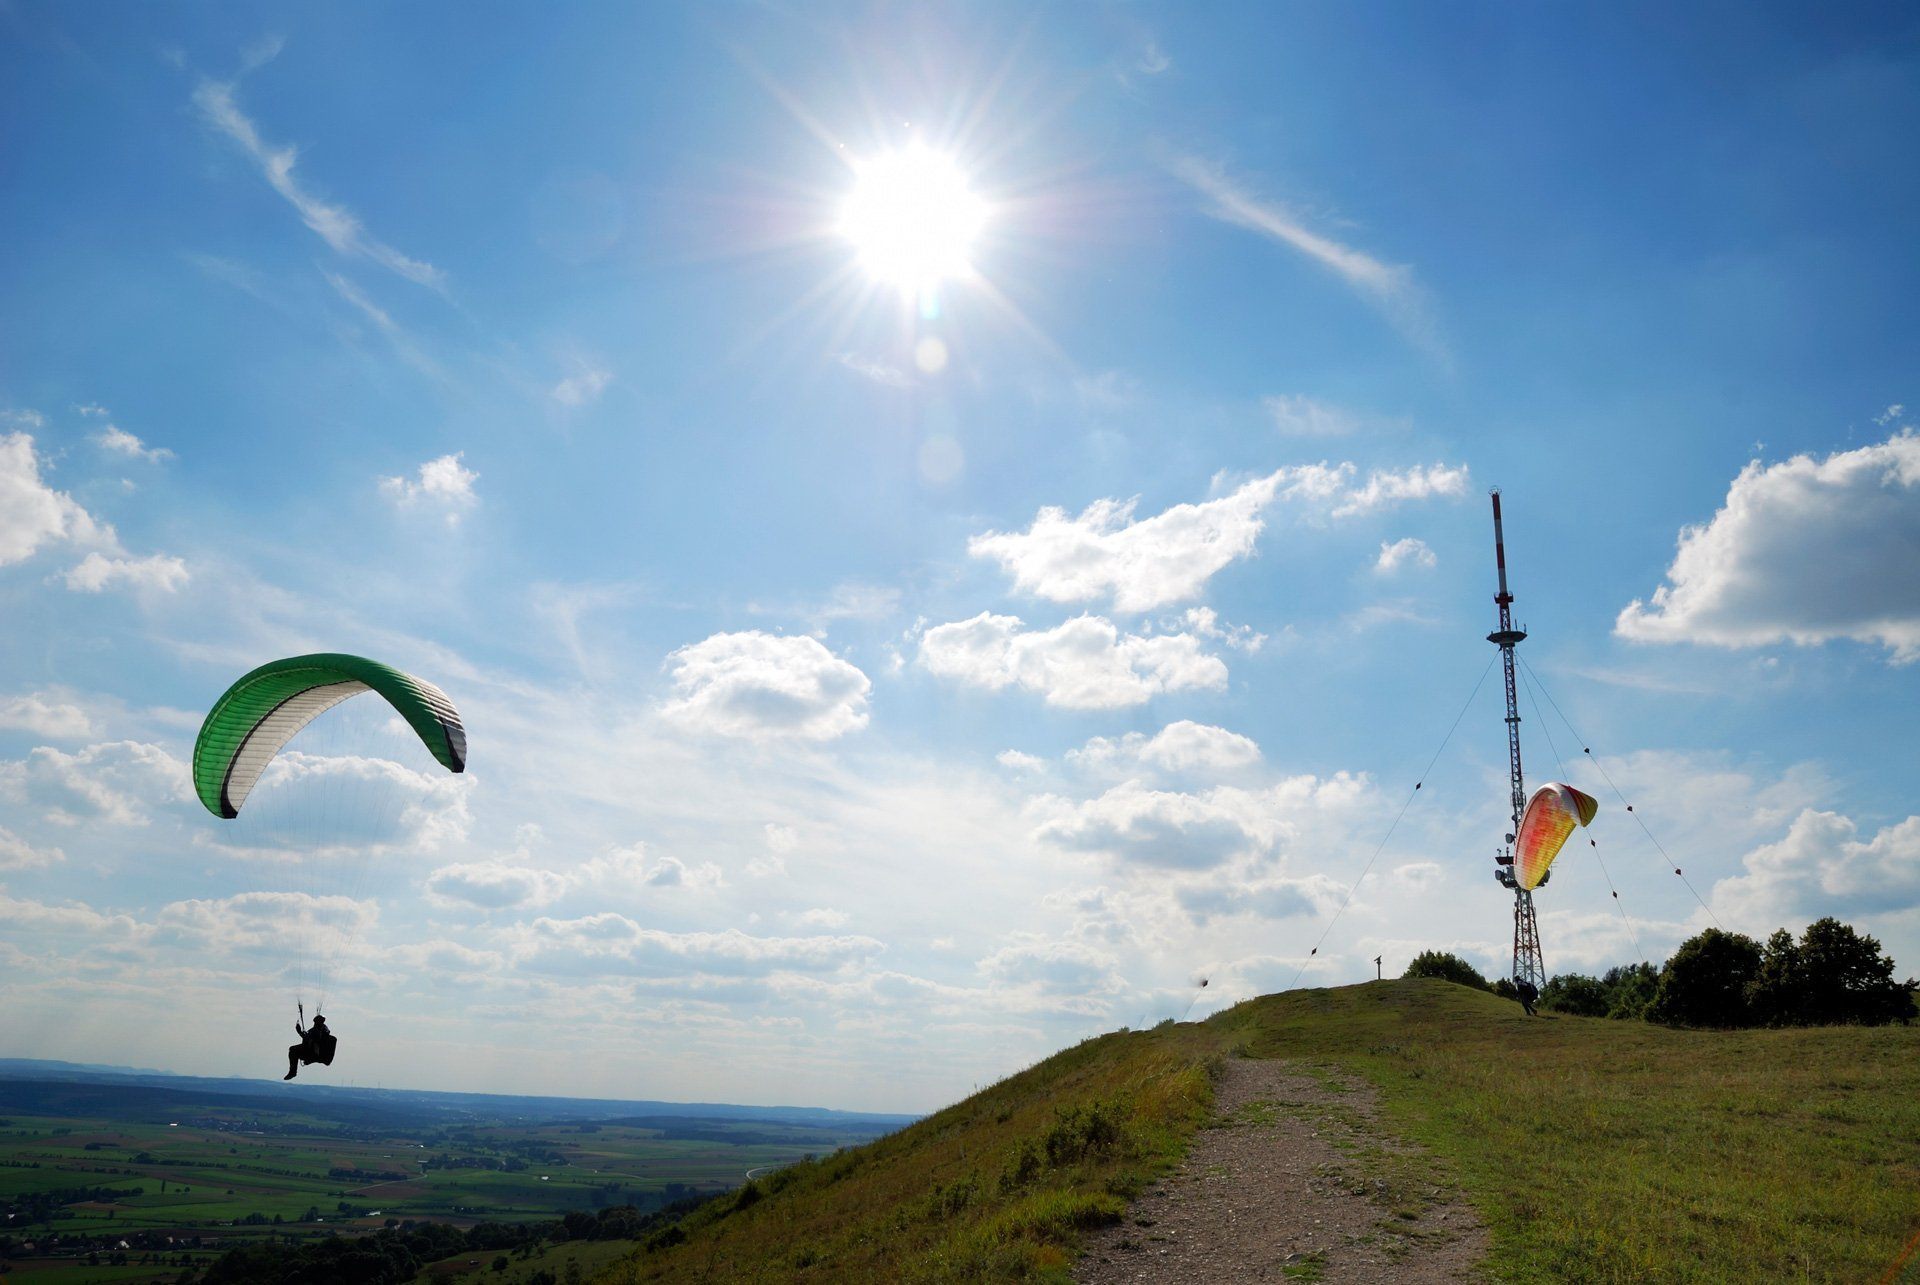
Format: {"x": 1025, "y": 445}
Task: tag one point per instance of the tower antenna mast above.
{"x": 1527, "y": 964}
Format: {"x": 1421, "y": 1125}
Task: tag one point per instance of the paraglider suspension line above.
{"x": 1599, "y": 767}
{"x": 1381, "y": 846}
{"x": 1532, "y": 683}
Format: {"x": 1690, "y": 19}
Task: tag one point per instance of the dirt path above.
{"x": 1295, "y": 1180}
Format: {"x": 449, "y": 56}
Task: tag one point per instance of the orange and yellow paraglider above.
{"x": 1551, "y": 814}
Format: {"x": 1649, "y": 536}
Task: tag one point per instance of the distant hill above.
{"x": 1595, "y": 1150}
{"x": 31, "y": 1086}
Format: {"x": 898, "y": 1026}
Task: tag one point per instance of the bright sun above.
{"x": 912, "y": 218}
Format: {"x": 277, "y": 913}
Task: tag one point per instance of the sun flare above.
{"x": 912, "y": 218}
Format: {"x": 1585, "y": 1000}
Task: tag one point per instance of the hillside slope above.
{"x": 1595, "y": 1150}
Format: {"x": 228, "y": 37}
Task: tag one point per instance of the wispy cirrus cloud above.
{"x": 583, "y": 385}
{"x": 338, "y": 226}
{"x": 1390, "y": 287}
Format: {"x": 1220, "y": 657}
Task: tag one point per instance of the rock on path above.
{"x": 1294, "y": 1180}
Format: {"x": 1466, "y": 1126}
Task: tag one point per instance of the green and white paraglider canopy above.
{"x": 258, "y": 715}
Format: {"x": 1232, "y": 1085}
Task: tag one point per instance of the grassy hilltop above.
{"x": 1596, "y": 1150}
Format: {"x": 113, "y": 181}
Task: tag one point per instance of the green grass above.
{"x": 476, "y": 1268}
{"x": 1620, "y": 1151}
{"x": 998, "y": 1187}
{"x": 1596, "y": 1151}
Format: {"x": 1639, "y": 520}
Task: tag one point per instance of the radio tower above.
{"x": 1527, "y": 964}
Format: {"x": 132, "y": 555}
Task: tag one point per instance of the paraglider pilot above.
{"x": 316, "y": 1045}
{"x": 1525, "y": 989}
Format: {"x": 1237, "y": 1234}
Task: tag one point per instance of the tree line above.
{"x": 1831, "y": 976}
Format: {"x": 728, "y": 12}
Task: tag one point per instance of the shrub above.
{"x": 1447, "y": 967}
{"x": 1080, "y": 1131}
{"x": 1575, "y": 993}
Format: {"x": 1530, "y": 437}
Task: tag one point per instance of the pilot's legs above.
{"x": 293, "y": 1062}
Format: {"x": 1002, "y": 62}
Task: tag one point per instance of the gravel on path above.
{"x": 1295, "y": 1179}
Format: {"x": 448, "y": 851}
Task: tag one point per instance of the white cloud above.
{"x": 1419, "y": 875}
{"x": 96, "y": 572}
{"x": 1171, "y": 556}
{"x": 1019, "y": 761}
{"x": 1066, "y": 967}
{"x": 1194, "y": 831}
{"x": 1390, "y": 287}
{"x": 17, "y": 854}
{"x": 117, "y": 782}
{"x": 1822, "y": 867}
{"x": 1160, "y": 827}
{"x": 72, "y": 917}
{"x": 1084, "y": 663}
{"x": 494, "y": 885}
{"x": 33, "y": 514}
{"x": 1205, "y": 622}
{"x": 257, "y": 920}
{"x": 822, "y": 917}
{"x": 36, "y": 713}
{"x": 1299, "y": 416}
{"x": 671, "y": 872}
{"x": 1402, "y": 553}
{"x": 1804, "y": 551}
{"x": 1183, "y": 746}
{"x": 1386, "y": 486}
{"x": 118, "y": 441}
{"x": 1205, "y": 900}
{"x": 612, "y": 943}
{"x": 334, "y": 224}
{"x": 882, "y": 373}
{"x": 781, "y": 840}
{"x": 1143, "y": 564}
{"x": 370, "y": 804}
{"x": 762, "y": 686}
{"x": 444, "y": 483}
{"x": 1110, "y": 390}
{"x": 509, "y": 884}
{"x": 583, "y": 386}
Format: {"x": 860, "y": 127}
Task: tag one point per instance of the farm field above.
{"x": 118, "y": 1193}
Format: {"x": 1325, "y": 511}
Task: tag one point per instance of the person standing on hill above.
{"x": 1527, "y": 993}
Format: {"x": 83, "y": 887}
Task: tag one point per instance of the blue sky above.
{"x": 869, "y": 694}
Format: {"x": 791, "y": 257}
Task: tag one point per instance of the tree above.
{"x": 1705, "y": 983}
{"x": 1844, "y": 978}
{"x": 1447, "y": 967}
{"x": 1630, "y": 989}
{"x": 1575, "y": 993}
{"x": 1777, "y": 995}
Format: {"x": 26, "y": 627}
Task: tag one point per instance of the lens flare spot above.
{"x": 930, "y": 355}
{"x": 941, "y": 460}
